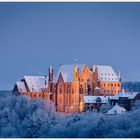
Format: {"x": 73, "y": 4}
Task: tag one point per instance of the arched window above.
{"x": 98, "y": 100}
{"x": 68, "y": 88}
{"x": 81, "y": 89}
{"x": 64, "y": 88}
{"x": 89, "y": 89}
{"x": 72, "y": 90}
{"x": 60, "y": 89}
{"x": 60, "y": 100}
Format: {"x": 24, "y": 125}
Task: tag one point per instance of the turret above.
{"x": 94, "y": 69}
{"x": 50, "y": 71}
{"x": 119, "y": 76}
{"x": 95, "y": 73}
{"x": 76, "y": 73}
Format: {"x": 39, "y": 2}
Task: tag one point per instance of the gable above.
{"x": 36, "y": 83}
{"x": 106, "y": 73}
{"x": 86, "y": 73}
{"x": 67, "y": 72}
{"x": 60, "y": 78}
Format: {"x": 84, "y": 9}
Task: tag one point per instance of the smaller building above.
{"x": 108, "y": 81}
{"x": 116, "y": 110}
{"x": 33, "y": 86}
{"x": 125, "y": 99}
{"x": 92, "y": 103}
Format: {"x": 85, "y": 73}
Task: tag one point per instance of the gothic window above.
{"x": 118, "y": 85}
{"x": 68, "y": 89}
{"x": 60, "y": 100}
{"x": 89, "y": 89}
{"x": 81, "y": 89}
{"x": 64, "y": 88}
{"x": 60, "y": 89}
{"x": 72, "y": 90}
{"x": 35, "y": 95}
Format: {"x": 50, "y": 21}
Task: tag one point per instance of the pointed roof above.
{"x": 67, "y": 72}
{"x": 116, "y": 110}
{"x": 106, "y": 73}
{"x": 21, "y": 86}
{"x": 36, "y": 83}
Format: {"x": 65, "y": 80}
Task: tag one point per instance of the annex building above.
{"x": 70, "y": 84}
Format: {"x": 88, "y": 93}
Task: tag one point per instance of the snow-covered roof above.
{"x": 133, "y": 95}
{"x": 67, "y": 72}
{"x": 93, "y": 99}
{"x": 125, "y": 94}
{"x": 21, "y": 86}
{"x": 36, "y": 83}
{"x": 106, "y": 73}
{"x": 97, "y": 88}
{"x": 116, "y": 110}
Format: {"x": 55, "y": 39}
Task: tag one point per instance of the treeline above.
{"x": 21, "y": 117}
{"x": 131, "y": 86}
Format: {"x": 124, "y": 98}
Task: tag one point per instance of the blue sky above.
{"x": 36, "y": 35}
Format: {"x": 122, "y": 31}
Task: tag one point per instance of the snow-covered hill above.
{"x": 21, "y": 117}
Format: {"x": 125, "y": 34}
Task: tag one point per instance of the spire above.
{"x": 50, "y": 72}
{"x": 51, "y": 68}
{"x": 123, "y": 91}
{"x": 119, "y": 76}
{"x": 75, "y": 61}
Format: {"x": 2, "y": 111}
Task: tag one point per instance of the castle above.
{"x": 69, "y": 86}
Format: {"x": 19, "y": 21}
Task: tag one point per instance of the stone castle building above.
{"x": 69, "y": 86}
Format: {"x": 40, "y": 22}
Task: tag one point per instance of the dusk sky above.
{"x": 34, "y": 36}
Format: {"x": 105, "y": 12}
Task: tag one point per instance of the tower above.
{"x": 95, "y": 80}
{"x": 76, "y": 88}
{"x": 50, "y": 80}
{"x": 119, "y": 76}
{"x": 50, "y": 72}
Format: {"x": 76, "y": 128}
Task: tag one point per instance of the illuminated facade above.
{"x": 71, "y": 83}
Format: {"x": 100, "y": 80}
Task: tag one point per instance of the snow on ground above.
{"x": 23, "y": 118}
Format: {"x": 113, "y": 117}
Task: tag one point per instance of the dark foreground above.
{"x": 21, "y": 117}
